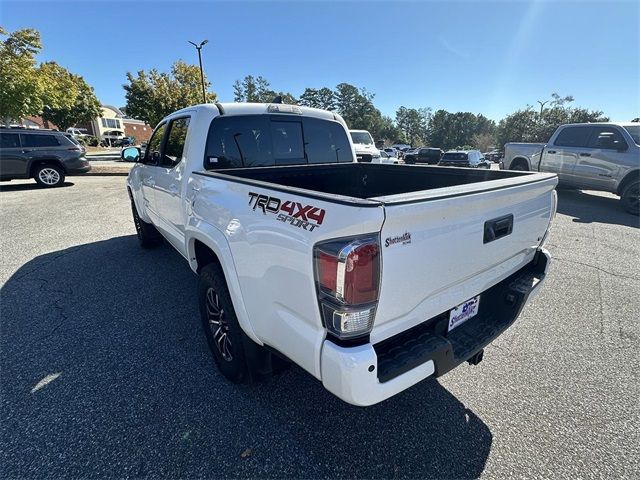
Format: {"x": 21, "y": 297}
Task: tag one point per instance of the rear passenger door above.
{"x": 562, "y": 156}
{"x": 169, "y": 182}
{"x": 13, "y": 163}
{"x": 599, "y": 163}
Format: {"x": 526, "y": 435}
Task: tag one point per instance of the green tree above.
{"x": 413, "y": 124}
{"x": 323, "y": 98}
{"x": 356, "y": 106}
{"x": 520, "y": 126}
{"x": 67, "y": 98}
{"x": 20, "y": 86}
{"x": 457, "y": 130}
{"x": 152, "y": 96}
{"x": 258, "y": 90}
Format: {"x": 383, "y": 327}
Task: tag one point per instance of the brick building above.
{"x": 114, "y": 119}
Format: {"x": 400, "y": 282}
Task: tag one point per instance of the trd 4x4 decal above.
{"x": 307, "y": 217}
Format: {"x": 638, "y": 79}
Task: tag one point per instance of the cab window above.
{"x": 176, "y": 138}
{"x": 573, "y": 137}
{"x": 607, "y": 138}
{"x": 152, "y": 155}
{"x": 267, "y": 140}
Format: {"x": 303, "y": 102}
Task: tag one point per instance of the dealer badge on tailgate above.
{"x": 463, "y": 312}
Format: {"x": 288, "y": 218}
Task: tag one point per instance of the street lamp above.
{"x": 542, "y": 104}
{"x": 199, "y": 47}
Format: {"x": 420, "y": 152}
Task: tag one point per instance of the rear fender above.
{"x": 214, "y": 239}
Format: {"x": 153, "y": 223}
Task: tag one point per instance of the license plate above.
{"x": 463, "y": 312}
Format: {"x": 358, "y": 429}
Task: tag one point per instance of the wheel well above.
{"x": 519, "y": 161}
{"x": 204, "y": 255}
{"x": 38, "y": 163}
{"x": 628, "y": 178}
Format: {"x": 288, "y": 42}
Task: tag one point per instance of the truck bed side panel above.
{"x": 274, "y": 258}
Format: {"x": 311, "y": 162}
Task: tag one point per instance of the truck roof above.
{"x": 260, "y": 108}
{"x": 620, "y": 124}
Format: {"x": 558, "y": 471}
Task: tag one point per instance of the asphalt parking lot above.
{"x": 105, "y": 371}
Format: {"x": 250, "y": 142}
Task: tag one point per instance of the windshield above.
{"x": 634, "y": 131}
{"x": 455, "y": 156}
{"x": 361, "y": 137}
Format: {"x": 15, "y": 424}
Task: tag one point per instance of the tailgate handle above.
{"x": 498, "y": 228}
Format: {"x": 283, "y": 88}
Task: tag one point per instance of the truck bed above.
{"x": 385, "y": 183}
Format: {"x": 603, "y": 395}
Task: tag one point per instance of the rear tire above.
{"x": 224, "y": 334}
{"x": 49, "y": 175}
{"x": 630, "y": 198}
{"x": 148, "y": 235}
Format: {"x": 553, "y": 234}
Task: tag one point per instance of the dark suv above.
{"x": 430, "y": 156}
{"x": 44, "y": 155}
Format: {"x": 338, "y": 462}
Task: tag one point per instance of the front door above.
{"x": 150, "y": 170}
{"x": 169, "y": 181}
{"x": 598, "y": 164}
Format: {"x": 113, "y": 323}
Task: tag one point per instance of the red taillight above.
{"x": 348, "y": 277}
{"x": 327, "y": 267}
{"x": 362, "y": 275}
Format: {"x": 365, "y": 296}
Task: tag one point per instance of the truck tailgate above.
{"x": 441, "y": 248}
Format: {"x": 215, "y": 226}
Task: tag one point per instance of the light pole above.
{"x": 199, "y": 47}
{"x": 542, "y": 104}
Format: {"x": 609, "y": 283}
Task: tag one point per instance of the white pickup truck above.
{"x": 370, "y": 277}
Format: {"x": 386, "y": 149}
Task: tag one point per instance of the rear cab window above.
{"x": 268, "y": 140}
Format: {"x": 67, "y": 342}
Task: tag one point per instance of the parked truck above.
{"x": 590, "y": 156}
{"x": 370, "y": 277}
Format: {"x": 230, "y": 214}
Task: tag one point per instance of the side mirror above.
{"x": 130, "y": 154}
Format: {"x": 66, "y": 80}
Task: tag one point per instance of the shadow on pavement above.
{"x": 105, "y": 372}
{"x": 588, "y": 208}
{"x": 19, "y": 187}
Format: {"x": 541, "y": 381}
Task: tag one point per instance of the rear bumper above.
{"x": 368, "y": 374}
{"x": 78, "y": 166}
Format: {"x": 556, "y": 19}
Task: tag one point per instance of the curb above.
{"x": 119, "y": 173}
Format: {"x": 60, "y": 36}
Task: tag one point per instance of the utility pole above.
{"x": 542, "y": 104}
{"x": 199, "y": 47}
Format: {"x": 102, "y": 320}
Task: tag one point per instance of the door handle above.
{"x": 173, "y": 190}
{"x": 583, "y": 154}
{"x": 551, "y": 151}
{"x": 27, "y": 151}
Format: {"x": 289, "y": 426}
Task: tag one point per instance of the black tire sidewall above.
{"x": 234, "y": 370}
{"x": 147, "y": 234}
{"x": 625, "y": 197}
{"x": 53, "y": 167}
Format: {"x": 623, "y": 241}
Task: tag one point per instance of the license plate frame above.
{"x": 463, "y": 312}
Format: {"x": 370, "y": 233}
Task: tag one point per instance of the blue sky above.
{"x": 483, "y": 57}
